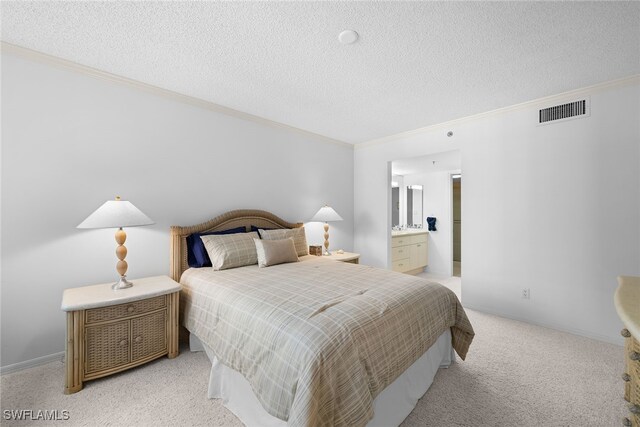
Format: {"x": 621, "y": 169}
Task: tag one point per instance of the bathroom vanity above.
{"x": 409, "y": 252}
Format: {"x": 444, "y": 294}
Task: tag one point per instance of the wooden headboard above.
{"x": 232, "y": 219}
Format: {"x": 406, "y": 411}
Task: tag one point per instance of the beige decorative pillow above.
{"x": 231, "y": 250}
{"x": 272, "y": 252}
{"x": 299, "y": 238}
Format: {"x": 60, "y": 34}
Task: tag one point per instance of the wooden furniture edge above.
{"x": 74, "y": 372}
{"x": 107, "y": 303}
{"x": 172, "y": 329}
{"x": 626, "y": 299}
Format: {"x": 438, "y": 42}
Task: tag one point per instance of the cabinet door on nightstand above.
{"x": 148, "y": 335}
{"x": 106, "y": 346}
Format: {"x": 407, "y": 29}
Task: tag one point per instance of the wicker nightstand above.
{"x": 350, "y": 257}
{"x": 109, "y": 331}
{"x": 627, "y": 301}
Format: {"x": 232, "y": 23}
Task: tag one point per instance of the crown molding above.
{"x": 34, "y": 55}
{"x": 540, "y": 102}
{"x": 166, "y": 93}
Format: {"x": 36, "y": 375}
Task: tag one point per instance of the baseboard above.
{"x": 15, "y": 367}
{"x": 579, "y": 332}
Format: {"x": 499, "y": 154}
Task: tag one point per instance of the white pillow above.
{"x": 298, "y": 235}
{"x": 231, "y": 250}
{"x": 272, "y": 252}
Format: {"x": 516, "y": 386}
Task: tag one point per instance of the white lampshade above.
{"x": 115, "y": 214}
{"x": 326, "y": 214}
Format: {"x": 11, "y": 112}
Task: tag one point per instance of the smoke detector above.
{"x": 348, "y": 37}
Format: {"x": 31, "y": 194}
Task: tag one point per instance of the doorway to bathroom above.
{"x": 425, "y": 231}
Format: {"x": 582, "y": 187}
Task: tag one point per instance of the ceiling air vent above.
{"x": 564, "y": 111}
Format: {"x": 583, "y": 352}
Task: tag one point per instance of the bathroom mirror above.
{"x": 414, "y": 206}
{"x": 395, "y": 204}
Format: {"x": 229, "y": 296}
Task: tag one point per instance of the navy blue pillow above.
{"x": 197, "y": 255}
{"x": 254, "y": 228}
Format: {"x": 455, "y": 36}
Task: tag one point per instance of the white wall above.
{"x": 553, "y": 208}
{"x": 70, "y": 142}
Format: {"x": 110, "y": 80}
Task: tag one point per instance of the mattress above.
{"x": 319, "y": 340}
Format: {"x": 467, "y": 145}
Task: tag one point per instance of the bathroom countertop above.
{"x": 408, "y": 232}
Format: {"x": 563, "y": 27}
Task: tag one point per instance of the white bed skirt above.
{"x": 390, "y": 407}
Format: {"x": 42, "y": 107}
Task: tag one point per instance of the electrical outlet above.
{"x": 526, "y": 293}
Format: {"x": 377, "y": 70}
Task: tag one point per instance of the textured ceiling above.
{"x": 416, "y": 63}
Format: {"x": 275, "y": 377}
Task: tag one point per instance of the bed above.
{"x": 316, "y": 342}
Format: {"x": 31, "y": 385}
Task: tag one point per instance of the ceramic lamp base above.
{"x": 326, "y": 239}
{"x": 123, "y": 283}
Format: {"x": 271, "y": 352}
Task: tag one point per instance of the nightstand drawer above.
{"x": 120, "y": 311}
{"x": 106, "y": 346}
{"x": 148, "y": 335}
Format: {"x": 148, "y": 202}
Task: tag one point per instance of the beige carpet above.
{"x": 516, "y": 375}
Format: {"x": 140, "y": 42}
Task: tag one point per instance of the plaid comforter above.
{"x": 319, "y": 339}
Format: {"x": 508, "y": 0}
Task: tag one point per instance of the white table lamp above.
{"x": 117, "y": 214}
{"x": 326, "y": 214}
